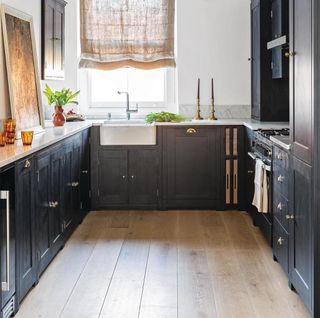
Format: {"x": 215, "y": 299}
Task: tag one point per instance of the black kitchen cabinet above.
{"x": 270, "y": 98}
{"x": 301, "y": 231}
{"x": 48, "y": 205}
{"x": 126, "y": 177}
{"x": 301, "y": 88}
{"x": 111, "y": 182}
{"x": 194, "y": 164}
{"x": 7, "y": 242}
{"x": 26, "y": 258}
{"x": 85, "y": 188}
{"x": 53, "y": 39}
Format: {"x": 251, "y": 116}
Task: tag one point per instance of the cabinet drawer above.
{"x": 280, "y": 158}
{"x": 281, "y": 245}
{"x": 281, "y": 209}
{"x": 280, "y": 180}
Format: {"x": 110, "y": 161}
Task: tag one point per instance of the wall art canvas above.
{"x": 22, "y": 69}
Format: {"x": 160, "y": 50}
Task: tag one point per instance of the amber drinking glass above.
{"x": 10, "y": 130}
{"x": 27, "y": 137}
{"x": 2, "y": 139}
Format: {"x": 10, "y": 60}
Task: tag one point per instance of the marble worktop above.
{"x": 52, "y": 135}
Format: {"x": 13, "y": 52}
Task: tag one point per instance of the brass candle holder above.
{"x": 198, "y": 114}
{"x": 212, "y": 112}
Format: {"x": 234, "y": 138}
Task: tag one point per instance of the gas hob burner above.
{"x": 267, "y": 133}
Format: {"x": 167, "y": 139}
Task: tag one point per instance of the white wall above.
{"x": 34, "y": 8}
{"x": 214, "y": 41}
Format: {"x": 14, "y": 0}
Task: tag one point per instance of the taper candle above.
{"x": 212, "y": 89}
{"x": 198, "y": 88}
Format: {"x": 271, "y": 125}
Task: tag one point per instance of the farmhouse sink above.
{"x": 118, "y": 133}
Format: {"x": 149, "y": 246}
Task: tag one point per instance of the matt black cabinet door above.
{"x": 301, "y": 79}
{"x": 194, "y": 165}
{"x": 56, "y": 182}
{"x": 143, "y": 177}
{"x": 27, "y": 267}
{"x": 85, "y": 173}
{"x": 301, "y": 247}
{"x": 42, "y": 203}
{"x": 112, "y": 177}
{"x": 75, "y": 184}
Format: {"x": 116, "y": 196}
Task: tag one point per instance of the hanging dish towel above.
{"x": 260, "y": 199}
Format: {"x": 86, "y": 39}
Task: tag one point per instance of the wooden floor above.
{"x": 184, "y": 264}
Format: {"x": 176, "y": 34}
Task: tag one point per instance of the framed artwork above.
{"x": 22, "y": 69}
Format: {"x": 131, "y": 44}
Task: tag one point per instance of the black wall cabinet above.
{"x": 270, "y": 98}
{"x": 53, "y": 38}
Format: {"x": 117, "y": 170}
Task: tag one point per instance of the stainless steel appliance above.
{"x": 262, "y": 149}
{"x": 7, "y": 243}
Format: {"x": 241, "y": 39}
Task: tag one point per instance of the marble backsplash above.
{"x": 221, "y": 112}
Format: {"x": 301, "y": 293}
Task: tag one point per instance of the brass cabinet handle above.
{"x": 191, "y": 131}
{"x": 27, "y": 164}
{"x": 290, "y": 54}
{"x": 289, "y": 217}
{"x": 75, "y": 184}
{"x": 281, "y": 178}
{"x": 280, "y": 241}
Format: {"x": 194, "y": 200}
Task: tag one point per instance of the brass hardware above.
{"x": 198, "y": 114}
{"x": 75, "y": 184}
{"x": 51, "y": 204}
{"x": 212, "y": 112}
{"x": 280, "y": 157}
{"x": 85, "y": 171}
{"x": 191, "y": 131}
{"x": 281, "y": 178}
{"x": 289, "y": 217}
{"x": 132, "y": 177}
{"x": 280, "y": 241}
{"x": 56, "y": 203}
{"x": 27, "y": 164}
{"x": 289, "y": 54}
{"x": 123, "y": 177}
{"x": 280, "y": 207}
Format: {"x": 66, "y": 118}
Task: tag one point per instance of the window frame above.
{"x": 100, "y": 109}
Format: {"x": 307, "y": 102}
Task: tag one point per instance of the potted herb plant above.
{"x": 59, "y": 99}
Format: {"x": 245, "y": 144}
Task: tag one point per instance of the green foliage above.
{"x": 60, "y": 98}
{"x": 164, "y": 117}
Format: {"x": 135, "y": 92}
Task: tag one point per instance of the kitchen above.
{"x": 145, "y": 202}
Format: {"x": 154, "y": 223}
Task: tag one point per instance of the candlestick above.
{"x": 212, "y": 113}
{"x": 198, "y": 114}
{"x": 198, "y": 95}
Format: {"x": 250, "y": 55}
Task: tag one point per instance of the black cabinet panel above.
{"x": 85, "y": 186}
{"x": 301, "y": 247}
{"x": 27, "y": 267}
{"x": 143, "y": 184}
{"x": 301, "y": 82}
{"x": 281, "y": 245}
{"x": 194, "y": 165}
{"x": 112, "y": 177}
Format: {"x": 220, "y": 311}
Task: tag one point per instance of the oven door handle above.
{"x": 255, "y": 157}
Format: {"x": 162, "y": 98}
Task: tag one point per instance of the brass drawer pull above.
{"x": 280, "y": 241}
{"x": 27, "y": 164}
{"x": 191, "y": 131}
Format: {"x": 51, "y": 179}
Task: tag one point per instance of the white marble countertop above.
{"x": 51, "y": 135}
{"x": 12, "y": 153}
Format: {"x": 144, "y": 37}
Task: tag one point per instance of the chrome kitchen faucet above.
{"x": 128, "y": 110}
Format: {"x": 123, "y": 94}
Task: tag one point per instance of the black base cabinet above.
{"x": 47, "y": 203}
{"x": 193, "y": 167}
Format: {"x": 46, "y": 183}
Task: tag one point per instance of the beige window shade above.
{"x": 135, "y": 33}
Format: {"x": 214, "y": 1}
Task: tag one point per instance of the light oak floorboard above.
{"x": 172, "y": 264}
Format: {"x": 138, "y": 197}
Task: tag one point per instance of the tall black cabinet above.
{"x": 270, "y": 97}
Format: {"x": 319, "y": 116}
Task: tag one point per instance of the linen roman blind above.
{"x": 120, "y": 33}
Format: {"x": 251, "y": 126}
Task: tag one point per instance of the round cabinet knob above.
{"x": 280, "y": 207}
{"x": 280, "y": 241}
{"x": 132, "y": 177}
{"x": 51, "y": 204}
{"x": 75, "y": 184}
{"x": 85, "y": 171}
{"x": 123, "y": 177}
{"x": 289, "y": 217}
{"x": 281, "y": 178}
{"x": 56, "y": 204}
{"x": 289, "y": 54}
{"x": 280, "y": 157}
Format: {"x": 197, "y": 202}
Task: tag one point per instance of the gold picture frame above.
{"x": 22, "y": 70}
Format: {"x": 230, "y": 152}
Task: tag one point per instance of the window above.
{"x": 152, "y": 90}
